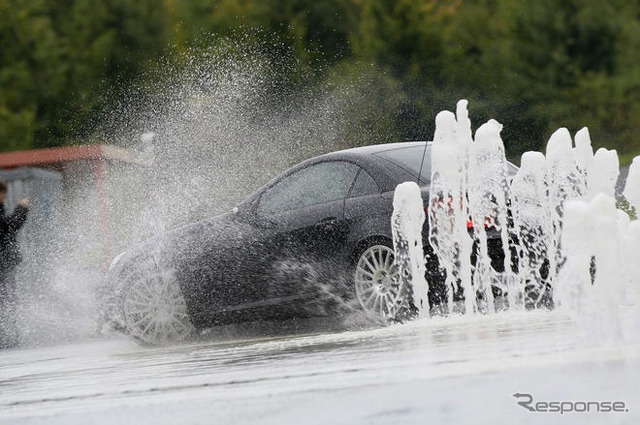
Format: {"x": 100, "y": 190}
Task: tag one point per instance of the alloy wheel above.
{"x": 155, "y": 310}
{"x": 377, "y": 285}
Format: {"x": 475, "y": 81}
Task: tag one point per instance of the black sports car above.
{"x": 279, "y": 253}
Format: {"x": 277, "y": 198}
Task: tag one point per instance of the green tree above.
{"x": 60, "y": 61}
{"x": 532, "y": 65}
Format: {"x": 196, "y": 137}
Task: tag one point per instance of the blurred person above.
{"x": 9, "y": 260}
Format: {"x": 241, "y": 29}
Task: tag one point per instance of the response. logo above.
{"x": 526, "y": 401}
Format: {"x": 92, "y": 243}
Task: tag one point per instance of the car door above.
{"x": 304, "y": 212}
{"x": 367, "y": 210}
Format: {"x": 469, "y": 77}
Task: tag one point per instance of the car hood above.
{"x": 188, "y": 242}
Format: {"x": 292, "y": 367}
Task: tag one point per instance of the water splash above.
{"x": 583, "y": 151}
{"x": 575, "y": 249}
{"x": 212, "y": 128}
{"x": 533, "y": 225}
{"x": 487, "y": 193}
{"x": 602, "y": 173}
{"x": 448, "y": 212}
{"x": 589, "y": 282}
{"x": 406, "y": 225}
{"x": 632, "y": 188}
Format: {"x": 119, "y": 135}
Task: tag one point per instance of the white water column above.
{"x": 406, "y": 224}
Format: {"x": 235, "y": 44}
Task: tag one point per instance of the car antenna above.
{"x": 424, "y": 154}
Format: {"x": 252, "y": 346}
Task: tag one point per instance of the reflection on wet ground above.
{"x": 277, "y": 360}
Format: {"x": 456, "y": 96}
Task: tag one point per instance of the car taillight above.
{"x": 489, "y": 223}
{"x": 440, "y": 201}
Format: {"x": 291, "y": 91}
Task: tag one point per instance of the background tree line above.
{"x": 534, "y": 66}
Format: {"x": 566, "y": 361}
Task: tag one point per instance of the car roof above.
{"x": 388, "y": 173}
{"x": 365, "y": 156}
{"x": 371, "y": 150}
{"x": 374, "y": 149}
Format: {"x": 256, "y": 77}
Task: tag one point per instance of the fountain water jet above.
{"x": 448, "y": 214}
{"x": 583, "y": 151}
{"x": 632, "y": 188}
{"x": 531, "y": 213}
{"x": 602, "y": 173}
{"x": 589, "y": 283}
{"x": 575, "y": 249}
{"x": 487, "y": 192}
{"x": 406, "y": 225}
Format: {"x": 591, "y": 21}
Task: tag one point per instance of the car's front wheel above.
{"x": 155, "y": 310}
{"x": 377, "y": 283}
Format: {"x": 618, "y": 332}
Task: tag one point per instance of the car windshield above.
{"x": 411, "y": 160}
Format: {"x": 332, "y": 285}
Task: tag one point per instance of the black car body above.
{"x": 316, "y": 218}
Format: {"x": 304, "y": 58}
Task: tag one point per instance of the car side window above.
{"x": 364, "y": 185}
{"x": 415, "y": 159}
{"x": 316, "y": 184}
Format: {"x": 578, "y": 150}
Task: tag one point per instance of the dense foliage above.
{"x": 531, "y": 65}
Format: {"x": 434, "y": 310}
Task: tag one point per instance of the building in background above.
{"x": 68, "y": 185}
{"x": 78, "y": 207}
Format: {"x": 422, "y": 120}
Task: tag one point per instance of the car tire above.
{"x": 154, "y": 309}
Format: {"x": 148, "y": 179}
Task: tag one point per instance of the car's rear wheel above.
{"x": 155, "y": 310}
{"x": 377, "y": 285}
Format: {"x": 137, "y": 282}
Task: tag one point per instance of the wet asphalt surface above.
{"x": 447, "y": 370}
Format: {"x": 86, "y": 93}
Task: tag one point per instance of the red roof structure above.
{"x": 53, "y": 156}
{"x": 97, "y": 156}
